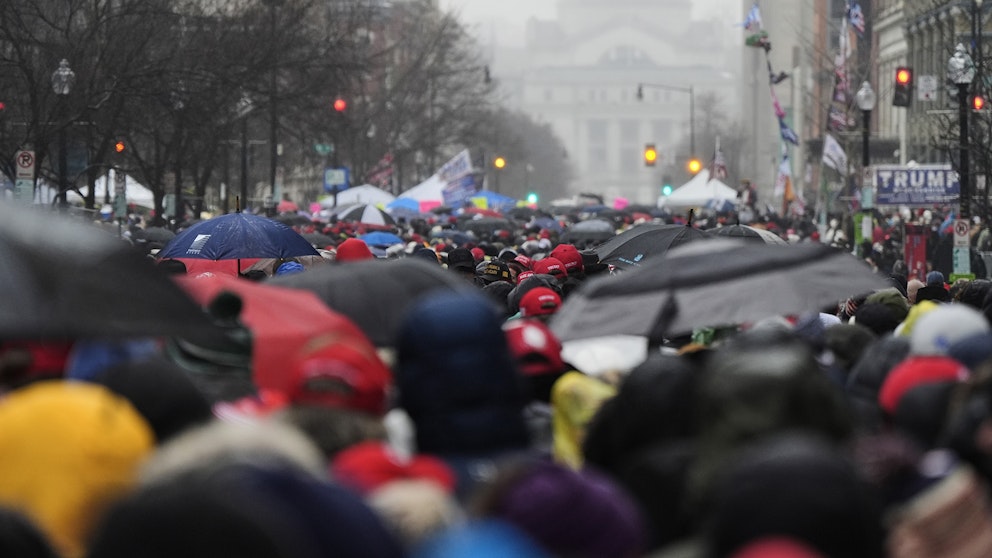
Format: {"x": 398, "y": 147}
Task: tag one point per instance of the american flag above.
{"x": 856, "y": 17}
{"x": 718, "y": 168}
{"x": 382, "y": 173}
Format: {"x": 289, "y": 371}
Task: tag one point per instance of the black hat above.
{"x": 496, "y": 270}
{"x": 461, "y": 259}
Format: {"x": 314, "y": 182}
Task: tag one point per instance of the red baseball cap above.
{"x": 534, "y": 346}
{"x": 341, "y": 371}
{"x": 367, "y": 466}
{"x": 550, "y": 266}
{"x": 539, "y": 301}
{"x": 568, "y": 255}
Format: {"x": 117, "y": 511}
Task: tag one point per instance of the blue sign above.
{"x": 922, "y": 185}
{"x": 459, "y": 191}
{"x": 336, "y": 179}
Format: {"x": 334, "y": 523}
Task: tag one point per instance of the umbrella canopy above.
{"x": 457, "y": 237}
{"x": 375, "y": 294}
{"x": 319, "y": 239}
{"x": 65, "y": 280}
{"x": 365, "y": 213}
{"x": 484, "y": 225}
{"x": 154, "y": 234}
{"x": 747, "y": 233}
{"x": 292, "y": 219}
{"x": 281, "y": 320}
{"x": 237, "y": 235}
{"x": 286, "y": 206}
{"x": 645, "y": 242}
{"x": 721, "y": 282}
{"x": 381, "y": 238}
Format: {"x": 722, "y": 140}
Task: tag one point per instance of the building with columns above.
{"x": 580, "y": 76}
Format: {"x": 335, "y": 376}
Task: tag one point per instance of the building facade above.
{"x": 581, "y": 77}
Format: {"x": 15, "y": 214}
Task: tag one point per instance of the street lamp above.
{"x": 62, "y": 80}
{"x": 961, "y": 70}
{"x": 692, "y": 109}
{"x": 865, "y": 98}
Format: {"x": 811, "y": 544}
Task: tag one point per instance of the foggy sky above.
{"x": 503, "y": 22}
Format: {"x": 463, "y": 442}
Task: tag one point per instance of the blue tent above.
{"x": 496, "y": 201}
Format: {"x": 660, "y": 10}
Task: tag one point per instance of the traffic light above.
{"x": 532, "y": 197}
{"x": 340, "y": 104}
{"x": 650, "y": 155}
{"x": 977, "y": 102}
{"x": 694, "y": 165}
{"x": 666, "y": 187}
{"x": 119, "y": 147}
{"x": 499, "y": 162}
{"x": 902, "y": 95}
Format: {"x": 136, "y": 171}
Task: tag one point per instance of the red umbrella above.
{"x": 480, "y": 211}
{"x": 286, "y": 206}
{"x": 282, "y": 321}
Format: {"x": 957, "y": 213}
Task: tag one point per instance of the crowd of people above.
{"x": 863, "y": 429}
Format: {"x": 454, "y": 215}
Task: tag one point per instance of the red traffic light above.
{"x": 119, "y": 147}
{"x": 340, "y": 104}
{"x": 904, "y": 76}
{"x": 3, "y": 106}
{"x": 978, "y": 102}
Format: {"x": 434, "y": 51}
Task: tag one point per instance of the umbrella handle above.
{"x": 656, "y": 337}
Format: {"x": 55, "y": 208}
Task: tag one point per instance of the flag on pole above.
{"x": 381, "y": 174}
{"x": 752, "y": 22}
{"x": 856, "y": 17}
{"x": 787, "y": 133}
{"x": 783, "y": 179}
{"x": 779, "y": 112}
{"x": 834, "y": 155}
{"x": 718, "y": 168}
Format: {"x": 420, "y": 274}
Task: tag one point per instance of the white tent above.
{"x": 366, "y": 193}
{"x": 135, "y": 192}
{"x": 698, "y": 192}
{"x": 428, "y": 190}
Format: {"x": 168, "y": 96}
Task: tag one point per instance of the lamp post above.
{"x": 961, "y": 70}
{"x": 62, "y": 80}
{"x": 692, "y": 109}
{"x": 865, "y": 99}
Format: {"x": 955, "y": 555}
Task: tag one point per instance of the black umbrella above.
{"x": 154, "y": 234}
{"x": 293, "y": 219}
{"x": 645, "y": 242}
{"x": 747, "y": 233}
{"x": 375, "y": 294}
{"x": 485, "y": 225}
{"x": 720, "y": 282}
{"x": 65, "y": 280}
{"x": 319, "y": 240}
{"x": 596, "y": 230}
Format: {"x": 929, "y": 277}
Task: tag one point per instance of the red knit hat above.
{"x": 550, "y": 266}
{"x": 568, "y": 255}
{"x": 340, "y": 371}
{"x": 915, "y": 371}
{"x": 539, "y": 301}
{"x": 370, "y": 465}
{"x": 353, "y": 250}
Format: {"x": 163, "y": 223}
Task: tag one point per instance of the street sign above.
{"x": 323, "y": 148}
{"x": 962, "y": 238}
{"x": 335, "y": 179}
{"x": 25, "y": 164}
{"x": 24, "y": 190}
{"x": 926, "y": 88}
{"x": 962, "y": 261}
{"x": 120, "y": 183}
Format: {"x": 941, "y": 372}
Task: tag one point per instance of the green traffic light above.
{"x": 666, "y": 189}
{"x": 532, "y": 198}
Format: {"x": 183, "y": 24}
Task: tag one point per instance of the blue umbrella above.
{"x": 237, "y": 236}
{"x": 380, "y": 238}
{"x": 403, "y": 203}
